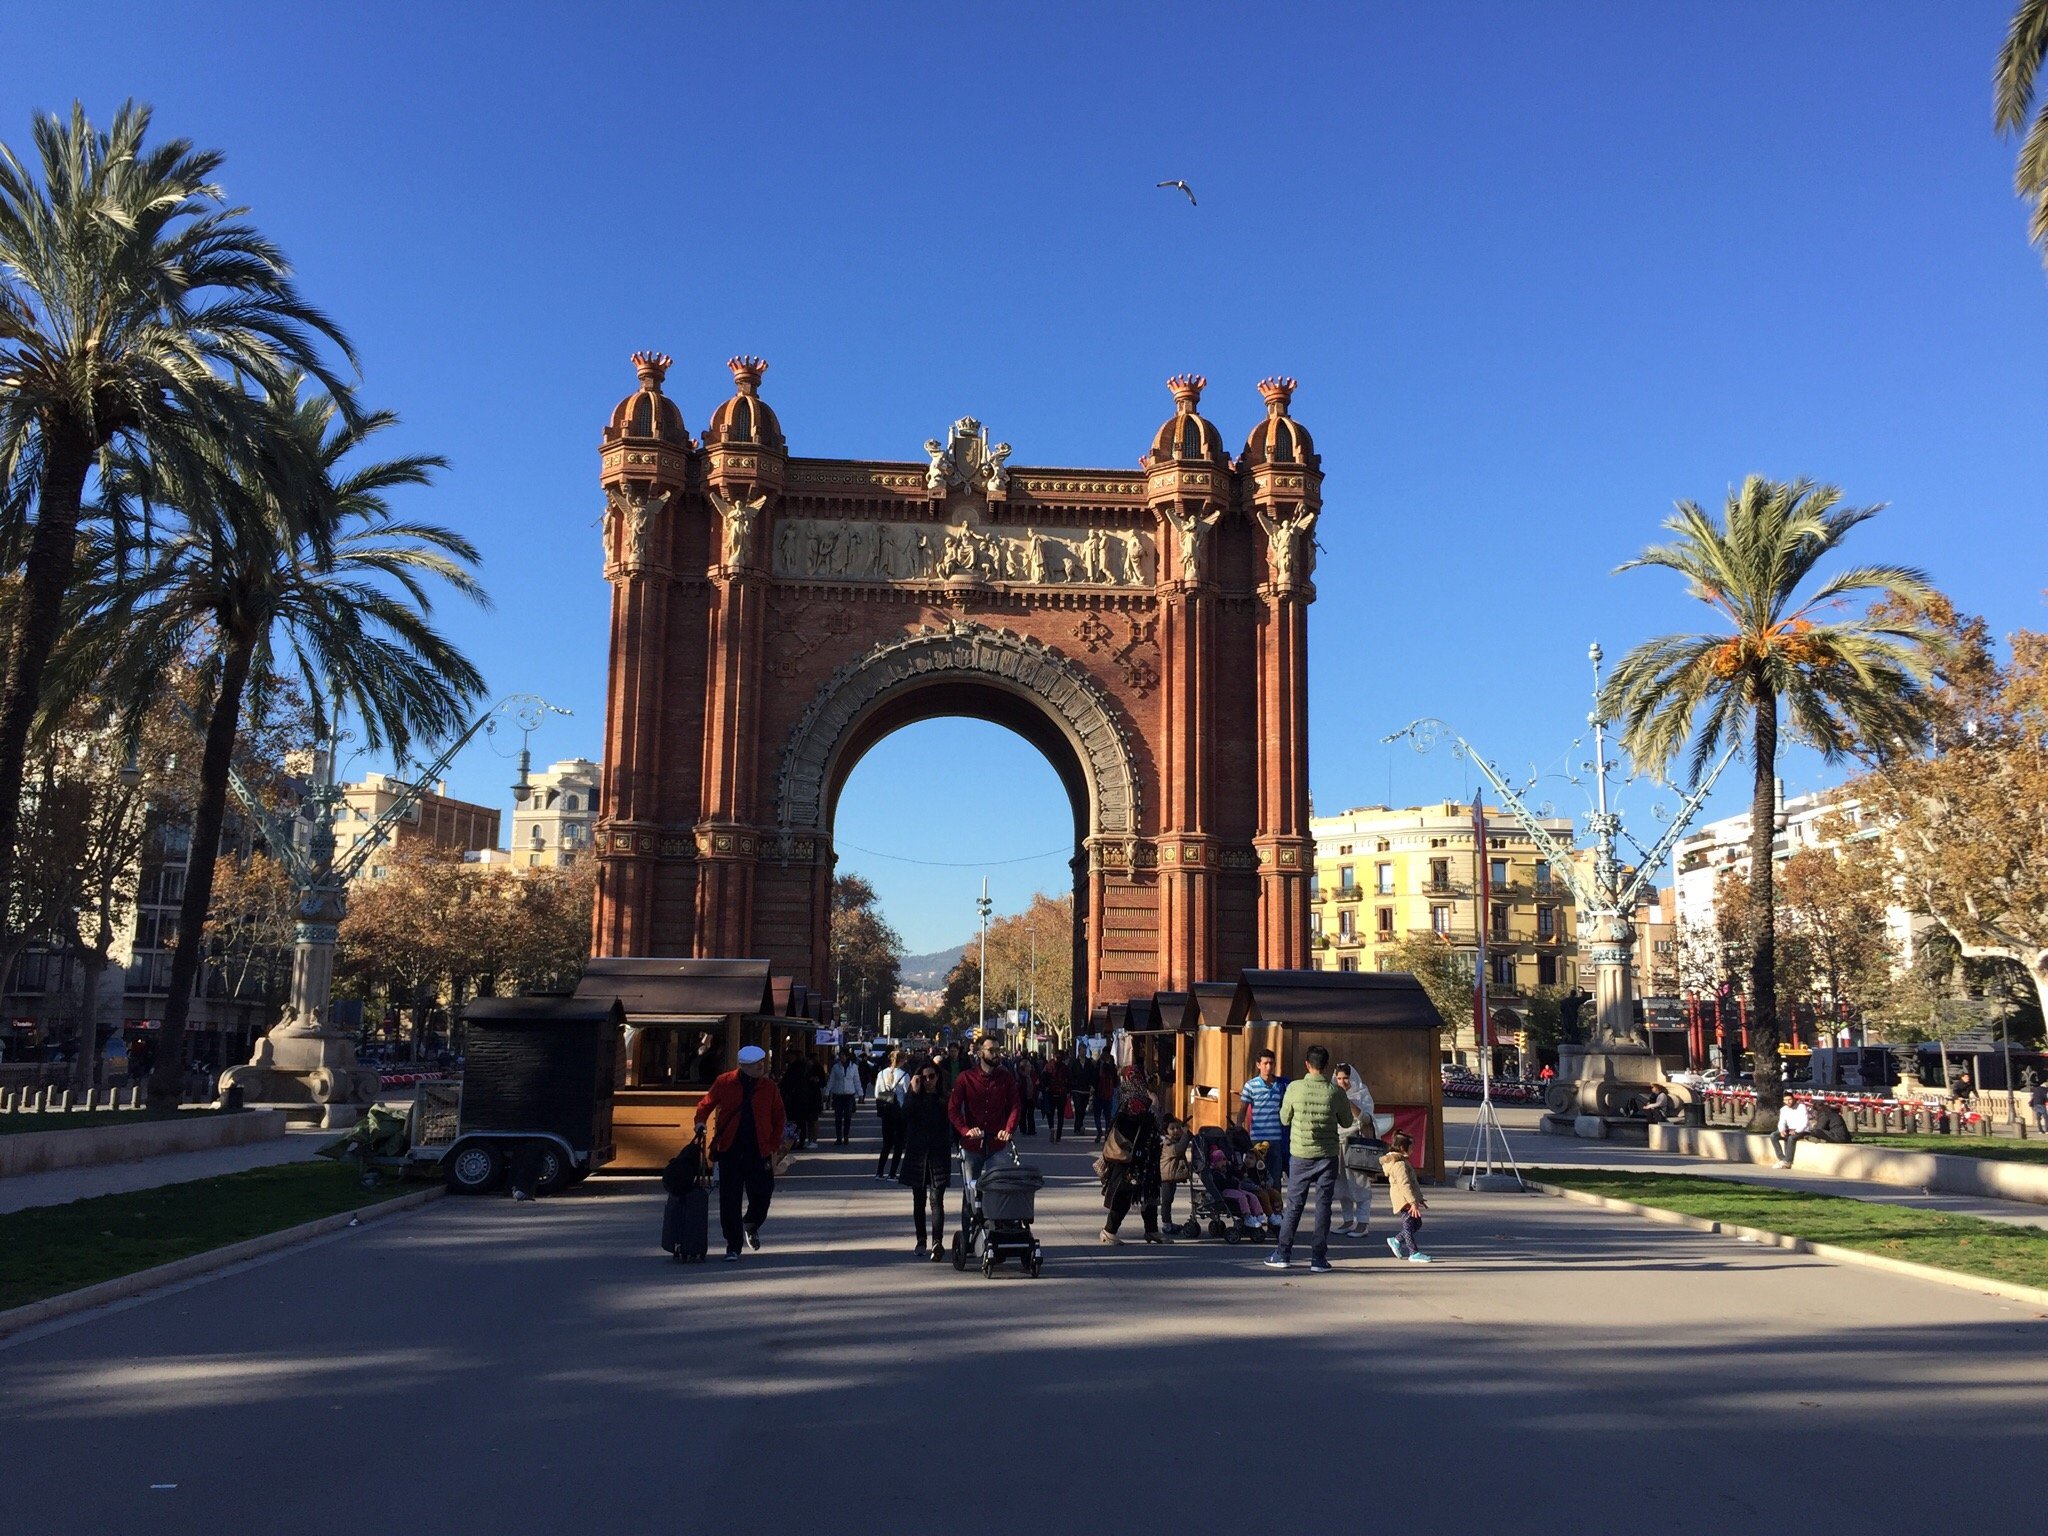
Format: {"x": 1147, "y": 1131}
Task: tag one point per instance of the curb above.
{"x": 1956, "y": 1279}
{"x": 121, "y": 1287}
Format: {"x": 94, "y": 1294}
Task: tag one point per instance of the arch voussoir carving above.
{"x": 1083, "y": 712}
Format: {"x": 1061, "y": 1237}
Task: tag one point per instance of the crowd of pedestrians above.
{"x": 1301, "y": 1149}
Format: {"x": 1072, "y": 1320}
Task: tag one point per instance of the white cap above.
{"x": 749, "y": 1054}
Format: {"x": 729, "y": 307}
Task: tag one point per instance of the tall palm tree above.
{"x": 130, "y": 298}
{"x": 2019, "y": 65}
{"x": 1845, "y": 684}
{"x": 327, "y": 588}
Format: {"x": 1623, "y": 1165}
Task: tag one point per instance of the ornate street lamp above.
{"x": 302, "y": 1058}
{"x": 1616, "y": 1065}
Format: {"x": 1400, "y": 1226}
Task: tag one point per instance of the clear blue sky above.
{"x": 1540, "y": 270}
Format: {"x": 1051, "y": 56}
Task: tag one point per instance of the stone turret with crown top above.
{"x": 646, "y": 463}
{"x": 1187, "y": 482}
{"x": 1279, "y": 440}
{"x": 1283, "y": 490}
{"x": 744, "y": 449}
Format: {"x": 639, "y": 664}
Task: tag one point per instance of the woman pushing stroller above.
{"x": 1130, "y": 1163}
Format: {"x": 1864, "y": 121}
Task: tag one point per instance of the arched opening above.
{"x": 940, "y": 787}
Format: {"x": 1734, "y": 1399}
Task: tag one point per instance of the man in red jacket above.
{"x": 749, "y": 1121}
{"x": 983, "y": 1110}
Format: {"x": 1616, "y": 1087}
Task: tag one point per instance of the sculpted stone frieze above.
{"x": 833, "y": 549}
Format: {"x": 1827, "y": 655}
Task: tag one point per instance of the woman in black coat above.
{"x": 1133, "y": 1181}
{"x": 927, "y": 1156}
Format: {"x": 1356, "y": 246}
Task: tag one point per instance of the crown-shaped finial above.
{"x": 1278, "y": 392}
{"x": 652, "y": 368}
{"x": 1187, "y": 391}
{"x": 747, "y": 371}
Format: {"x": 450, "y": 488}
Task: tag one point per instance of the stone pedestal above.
{"x": 297, "y": 1065}
{"x": 1600, "y": 1082}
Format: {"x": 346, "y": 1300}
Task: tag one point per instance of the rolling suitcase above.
{"x": 686, "y": 1216}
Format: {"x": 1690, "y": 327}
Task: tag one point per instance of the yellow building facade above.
{"x": 1386, "y": 874}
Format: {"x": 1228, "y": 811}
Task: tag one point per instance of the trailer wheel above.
{"x": 474, "y": 1168}
{"x": 550, "y": 1168}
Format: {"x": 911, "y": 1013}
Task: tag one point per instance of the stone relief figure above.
{"x": 1194, "y": 528}
{"x": 1134, "y": 559}
{"x": 941, "y": 469}
{"x": 831, "y": 549}
{"x": 995, "y": 471}
{"x": 1291, "y": 543}
{"x": 636, "y": 509}
{"x": 740, "y": 517}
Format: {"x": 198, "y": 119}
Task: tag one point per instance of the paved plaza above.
{"x": 481, "y": 1366}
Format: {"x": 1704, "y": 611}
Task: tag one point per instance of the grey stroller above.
{"x": 1000, "y": 1206}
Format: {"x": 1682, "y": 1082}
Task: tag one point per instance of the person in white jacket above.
{"x": 842, "y": 1087}
{"x": 1354, "y": 1190}
{"x": 891, "y": 1084}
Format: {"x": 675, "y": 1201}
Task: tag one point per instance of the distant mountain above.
{"x": 928, "y": 973}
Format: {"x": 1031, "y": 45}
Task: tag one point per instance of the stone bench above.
{"x": 1982, "y": 1177}
{"x": 89, "y": 1145}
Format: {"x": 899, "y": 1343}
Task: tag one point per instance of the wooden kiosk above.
{"x": 1221, "y": 1063}
{"x": 1381, "y": 1022}
{"x": 1158, "y": 1040}
{"x": 685, "y": 1021}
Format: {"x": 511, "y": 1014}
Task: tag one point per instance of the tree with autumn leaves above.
{"x": 433, "y": 932}
{"x": 1966, "y": 819}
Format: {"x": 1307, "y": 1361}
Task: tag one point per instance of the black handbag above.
{"x": 1362, "y": 1154}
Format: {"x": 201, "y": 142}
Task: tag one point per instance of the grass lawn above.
{"x": 55, "y": 1248}
{"x": 1962, "y": 1243}
{"x": 2005, "y": 1148}
{"x": 78, "y": 1120}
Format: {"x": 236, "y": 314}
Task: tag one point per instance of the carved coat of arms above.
{"x": 966, "y": 462}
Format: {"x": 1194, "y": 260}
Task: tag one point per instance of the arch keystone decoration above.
{"x": 966, "y": 652}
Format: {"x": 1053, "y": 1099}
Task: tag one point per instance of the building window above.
{"x": 1315, "y": 924}
{"x": 1381, "y": 846}
{"x": 1386, "y": 922}
{"x": 1542, "y": 875}
{"x": 569, "y": 803}
{"x": 1344, "y": 927}
{"x": 1343, "y": 850}
{"x": 1546, "y": 922}
{"x": 1383, "y": 875}
{"x": 1440, "y": 918}
{"x": 1439, "y": 842}
{"x": 1500, "y": 920}
{"x": 1497, "y": 869}
{"x": 1346, "y": 881}
{"x": 1546, "y": 970}
{"x": 1439, "y": 874}
{"x": 1315, "y": 887}
{"x": 1348, "y": 963}
{"x": 1503, "y": 968}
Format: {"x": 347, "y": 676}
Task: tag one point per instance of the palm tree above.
{"x": 1843, "y": 684}
{"x": 329, "y": 590}
{"x": 2019, "y": 64}
{"x": 130, "y": 298}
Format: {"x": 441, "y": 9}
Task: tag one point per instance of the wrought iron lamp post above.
{"x": 303, "y": 1058}
{"x": 1616, "y": 1065}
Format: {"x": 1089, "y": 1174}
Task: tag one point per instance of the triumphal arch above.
{"x": 774, "y": 617}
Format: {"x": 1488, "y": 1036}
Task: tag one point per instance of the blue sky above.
{"x": 1539, "y": 269}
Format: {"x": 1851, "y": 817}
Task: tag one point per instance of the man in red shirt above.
{"x": 983, "y": 1110}
{"x": 748, "y": 1121}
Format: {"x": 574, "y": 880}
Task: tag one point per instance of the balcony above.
{"x": 1457, "y": 938}
{"x": 1347, "y": 893}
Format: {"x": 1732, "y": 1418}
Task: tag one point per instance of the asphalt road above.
{"x": 481, "y": 1366}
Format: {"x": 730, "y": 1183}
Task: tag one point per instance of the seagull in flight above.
{"x": 1185, "y": 188}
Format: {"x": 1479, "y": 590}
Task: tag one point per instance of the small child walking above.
{"x": 1174, "y": 1169}
{"x": 1405, "y": 1196}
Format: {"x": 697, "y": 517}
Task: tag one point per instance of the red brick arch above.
{"x": 775, "y": 617}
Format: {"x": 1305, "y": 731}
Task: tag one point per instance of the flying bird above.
{"x": 1185, "y": 188}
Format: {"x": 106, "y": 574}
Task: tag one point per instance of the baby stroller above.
{"x": 1210, "y": 1208}
{"x": 999, "y": 1214}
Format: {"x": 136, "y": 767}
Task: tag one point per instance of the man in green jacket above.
{"x": 1314, "y": 1111}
